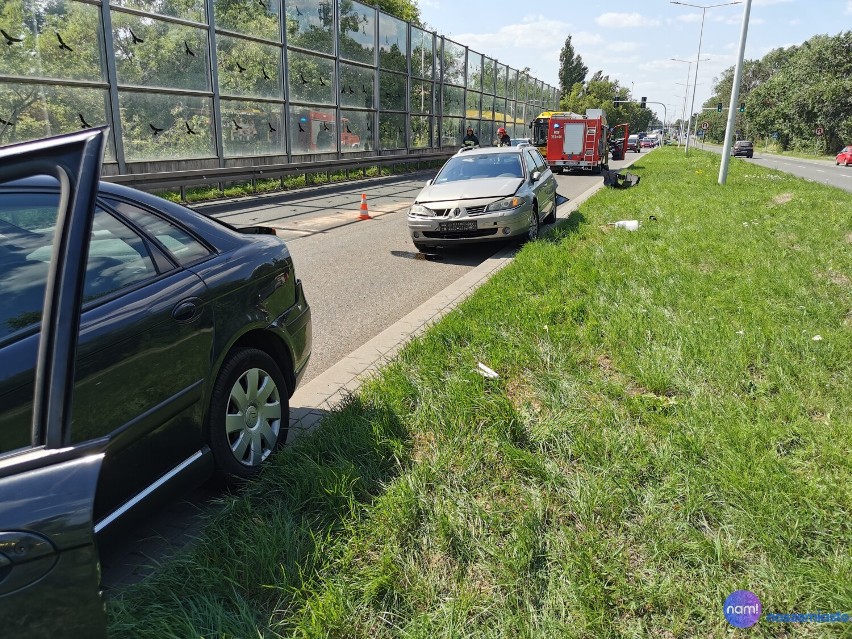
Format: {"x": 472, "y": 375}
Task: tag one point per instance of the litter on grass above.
{"x": 630, "y": 225}
{"x": 487, "y": 372}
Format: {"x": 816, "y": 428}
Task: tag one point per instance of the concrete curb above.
{"x": 311, "y": 402}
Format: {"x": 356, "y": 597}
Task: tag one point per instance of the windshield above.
{"x": 539, "y": 132}
{"x": 477, "y": 167}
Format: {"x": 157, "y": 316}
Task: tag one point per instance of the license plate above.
{"x": 457, "y": 226}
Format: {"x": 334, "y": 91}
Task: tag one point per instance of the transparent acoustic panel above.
{"x": 421, "y": 131}
{"x": 311, "y": 78}
{"x": 154, "y": 53}
{"x": 51, "y": 39}
{"x": 512, "y": 90}
{"x": 356, "y": 86}
{"x": 501, "y": 79}
{"x": 159, "y": 126}
{"x": 259, "y": 18}
{"x": 422, "y": 53}
{"x": 453, "y": 101}
{"x": 453, "y": 130}
{"x": 252, "y": 128}
{"x": 473, "y": 101}
{"x": 312, "y": 129}
{"x": 186, "y": 9}
{"x": 453, "y": 63}
{"x": 474, "y": 70}
{"x": 393, "y": 43}
{"x": 392, "y": 91}
{"x": 310, "y": 24}
{"x": 391, "y": 131}
{"x": 421, "y": 97}
{"x": 489, "y": 75}
{"x": 356, "y": 131}
{"x": 357, "y": 32}
{"x": 501, "y": 115}
{"x": 32, "y": 111}
{"x": 487, "y": 107}
{"x": 487, "y": 133}
{"x": 248, "y": 68}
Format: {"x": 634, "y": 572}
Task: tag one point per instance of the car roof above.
{"x": 490, "y": 150}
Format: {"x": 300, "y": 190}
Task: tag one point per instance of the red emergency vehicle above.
{"x": 578, "y": 143}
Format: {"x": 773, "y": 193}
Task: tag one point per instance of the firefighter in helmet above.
{"x": 503, "y": 138}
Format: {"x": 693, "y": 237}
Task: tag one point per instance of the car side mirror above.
{"x": 535, "y": 177}
{"x": 428, "y": 182}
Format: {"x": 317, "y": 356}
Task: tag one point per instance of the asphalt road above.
{"x": 362, "y": 276}
{"x": 359, "y": 276}
{"x": 822, "y": 171}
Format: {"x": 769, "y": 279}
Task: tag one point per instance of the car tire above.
{"x": 424, "y": 248}
{"x": 250, "y": 386}
{"x": 535, "y": 224}
{"x": 551, "y": 217}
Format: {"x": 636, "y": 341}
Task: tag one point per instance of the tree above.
{"x": 599, "y": 93}
{"x": 571, "y": 68}
{"x": 405, "y": 9}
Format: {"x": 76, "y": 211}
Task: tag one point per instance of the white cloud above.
{"x": 625, "y": 20}
{"x": 795, "y": 21}
{"x": 623, "y": 46}
{"x": 689, "y": 17}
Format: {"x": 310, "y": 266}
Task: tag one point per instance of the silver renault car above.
{"x": 484, "y": 194}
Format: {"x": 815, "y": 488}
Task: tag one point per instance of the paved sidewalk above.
{"x": 311, "y": 402}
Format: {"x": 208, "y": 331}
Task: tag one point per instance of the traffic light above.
{"x": 742, "y": 107}
{"x": 719, "y": 107}
{"x": 615, "y": 103}
{"x": 642, "y": 103}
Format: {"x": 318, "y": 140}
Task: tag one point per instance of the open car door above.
{"x": 49, "y": 571}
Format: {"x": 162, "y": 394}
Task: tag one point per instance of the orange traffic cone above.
{"x": 365, "y": 213}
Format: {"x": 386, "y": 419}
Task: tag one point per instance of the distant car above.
{"x": 634, "y": 144}
{"x": 844, "y": 157}
{"x": 742, "y": 147}
{"x": 648, "y": 143}
{"x": 482, "y": 195}
{"x": 520, "y": 141}
{"x": 193, "y": 337}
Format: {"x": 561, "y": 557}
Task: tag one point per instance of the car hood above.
{"x": 470, "y": 190}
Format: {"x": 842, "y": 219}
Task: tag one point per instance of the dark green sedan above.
{"x": 192, "y": 337}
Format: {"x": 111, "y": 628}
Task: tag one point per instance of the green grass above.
{"x": 271, "y": 185}
{"x": 664, "y": 430}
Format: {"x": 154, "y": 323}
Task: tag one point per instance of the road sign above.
{"x": 819, "y": 130}
{"x": 775, "y": 135}
{"x": 705, "y": 125}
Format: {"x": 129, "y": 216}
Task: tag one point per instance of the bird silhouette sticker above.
{"x": 261, "y": 3}
{"x": 351, "y": 90}
{"x": 83, "y": 123}
{"x": 325, "y": 126}
{"x": 237, "y": 126}
{"x": 322, "y": 82}
{"x": 364, "y": 89}
{"x": 348, "y": 130}
{"x": 155, "y": 129}
{"x": 369, "y": 128}
{"x": 272, "y": 129}
{"x": 189, "y": 128}
{"x": 265, "y": 74}
{"x": 298, "y": 13}
{"x": 302, "y": 78}
{"x": 10, "y": 40}
{"x": 187, "y": 50}
{"x": 136, "y": 38}
{"x": 301, "y": 130}
{"x": 62, "y": 45}
{"x": 240, "y": 68}
{"x": 6, "y": 122}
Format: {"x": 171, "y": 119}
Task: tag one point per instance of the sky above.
{"x": 633, "y": 42}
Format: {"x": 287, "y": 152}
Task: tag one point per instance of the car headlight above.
{"x": 504, "y": 205}
{"x": 419, "y": 209}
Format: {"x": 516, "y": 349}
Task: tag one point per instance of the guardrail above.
{"x": 219, "y": 176}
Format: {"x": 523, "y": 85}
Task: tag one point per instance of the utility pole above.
{"x": 735, "y": 96}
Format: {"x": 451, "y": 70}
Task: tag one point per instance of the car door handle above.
{"x": 186, "y": 311}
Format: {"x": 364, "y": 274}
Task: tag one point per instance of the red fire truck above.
{"x": 578, "y": 143}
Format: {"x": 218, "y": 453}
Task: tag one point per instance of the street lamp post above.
{"x": 698, "y": 56}
{"x": 685, "y": 94}
{"x": 735, "y": 92}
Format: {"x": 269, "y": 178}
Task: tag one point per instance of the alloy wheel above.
{"x": 253, "y": 417}
{"x": 532, "y": 234}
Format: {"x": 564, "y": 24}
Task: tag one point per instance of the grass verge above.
{"x": 666, "y": 429}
